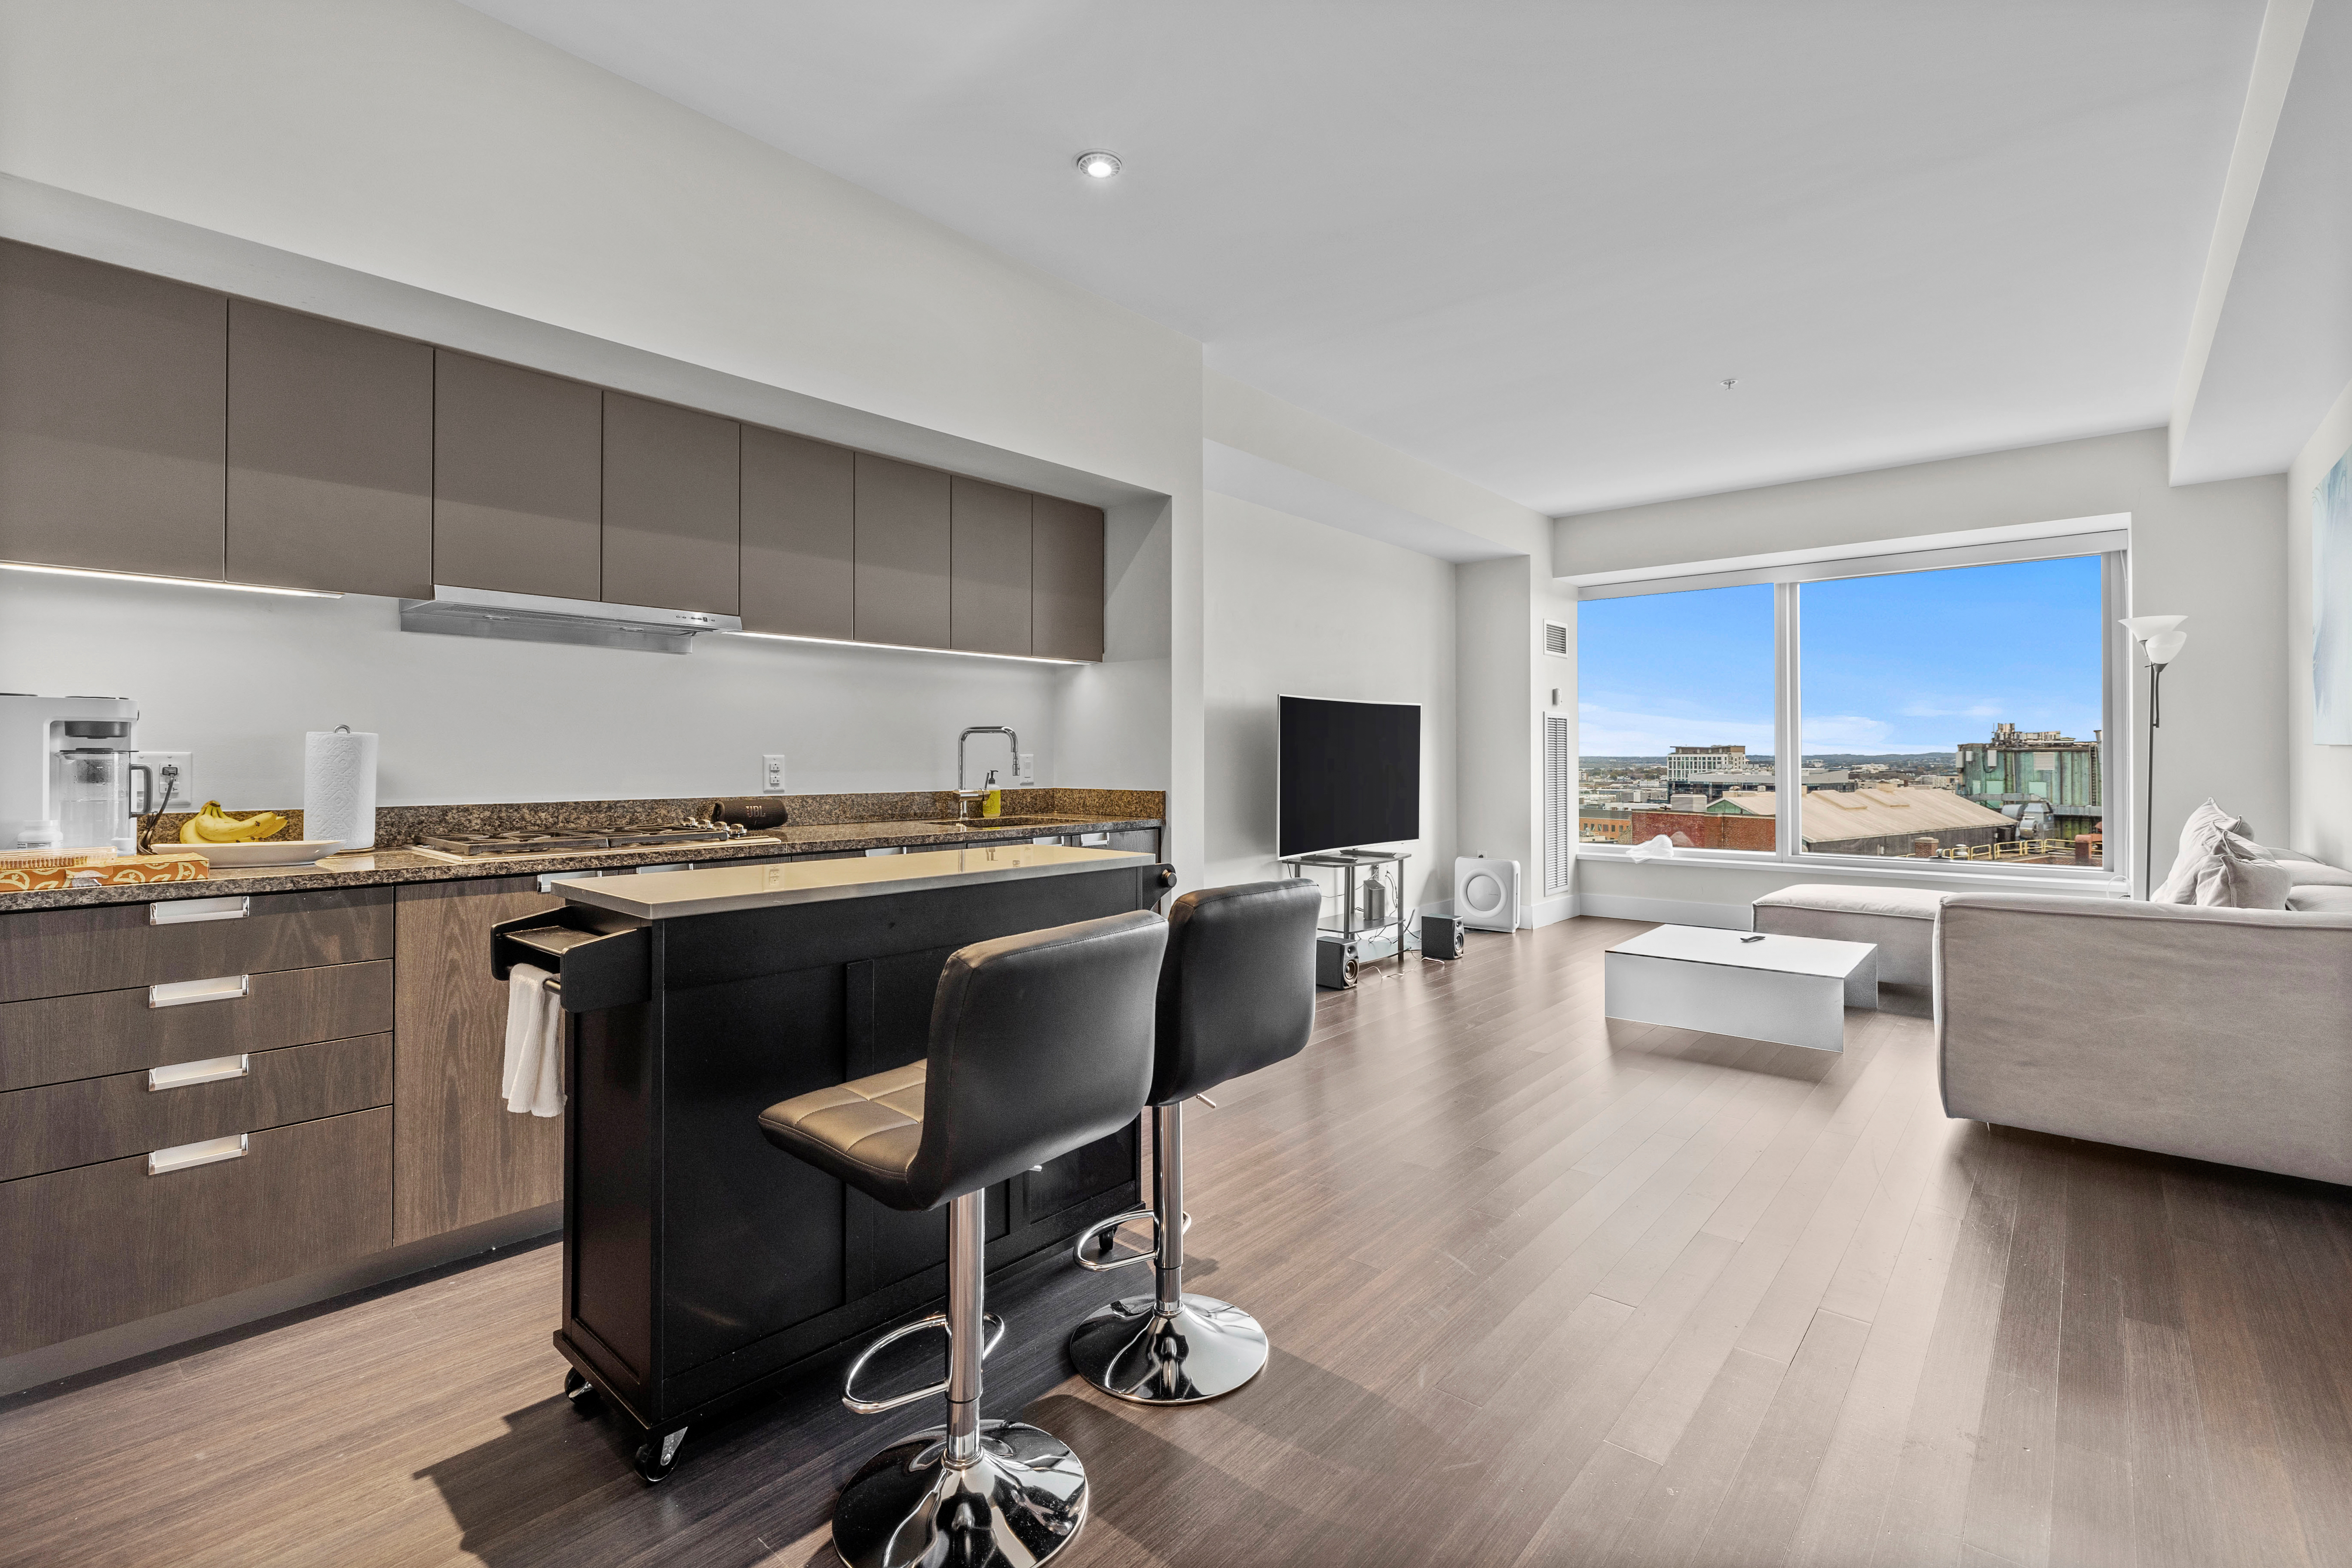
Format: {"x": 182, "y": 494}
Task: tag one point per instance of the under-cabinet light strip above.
{"x": 170, "y": 582}
{"x": 905, "y": 647}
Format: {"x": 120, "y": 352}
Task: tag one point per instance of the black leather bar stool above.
{"x": 1236, "y": 993}
{"x": 1040, "y": 1043}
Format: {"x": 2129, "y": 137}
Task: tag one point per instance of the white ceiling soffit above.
{"x": 1229, "y": 471}
{"x": 1525, "y": 241}
{"x": 2273, "y": 348}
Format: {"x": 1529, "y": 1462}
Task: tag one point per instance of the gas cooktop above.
{"x": 565, "y": 840}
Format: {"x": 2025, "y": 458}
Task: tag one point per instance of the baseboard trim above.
{"x": 160, "y": 1337}
{"x": 1548, "y": 911}
{"x": 1666, "y": 911}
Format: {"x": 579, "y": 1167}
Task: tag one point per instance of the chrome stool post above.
{"x": 917, "y": 1496}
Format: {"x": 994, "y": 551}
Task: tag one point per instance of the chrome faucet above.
{"x": 967, "y": 798}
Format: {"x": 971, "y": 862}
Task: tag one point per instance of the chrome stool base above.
{"x": 1019, "y": 1501}
{"x": 1133, "y": 1351}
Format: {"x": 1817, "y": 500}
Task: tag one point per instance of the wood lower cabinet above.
{"x": 111, "y": 407}
{"x": 107, "y": 1244}
{"x": 460, "y": 1155}
{"x": 110, "y": 947}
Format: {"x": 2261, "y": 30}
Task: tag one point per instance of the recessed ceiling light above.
{"x": 1099, "y": 165}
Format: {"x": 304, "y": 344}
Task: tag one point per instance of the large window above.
{"x": 1675, "y": 724}
{"x": 1952, "y": 715}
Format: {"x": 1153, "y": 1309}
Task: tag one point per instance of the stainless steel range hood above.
{"x": 530, "y": 617}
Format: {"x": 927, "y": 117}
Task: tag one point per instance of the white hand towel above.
{"x": 1659, "y": 848}
{"x": 533, "y": 1079}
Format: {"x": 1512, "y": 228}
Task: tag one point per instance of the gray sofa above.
{"x": 2216, "y": 1033}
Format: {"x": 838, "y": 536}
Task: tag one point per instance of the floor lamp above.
{"x": 2160, "y": 641}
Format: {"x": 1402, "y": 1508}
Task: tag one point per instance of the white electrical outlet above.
{"x": 183, "y": 781}
{"x": 1024, "y": 770}
{"x": 771, "y": 773}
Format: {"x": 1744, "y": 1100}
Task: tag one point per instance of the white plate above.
{"x": 267, "y": 851}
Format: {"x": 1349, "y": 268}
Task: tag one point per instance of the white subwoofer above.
{"x": 1486, "y": 893}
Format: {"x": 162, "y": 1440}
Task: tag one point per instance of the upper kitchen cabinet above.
{"x": 672, "y": 508}
{"x": 518, "y": 479}
{"x": 111, "y": 403}
{"x": 330, "y": 455}
{"x": 1068, "y": 569}
{"x": 800, "y": 535}
{"x": 903, "y": 553}
{"x": 989, "y": 590}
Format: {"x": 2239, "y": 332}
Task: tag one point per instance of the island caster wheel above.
{"x": 657, "y": 1456}
{"x": 581, "y": 1393}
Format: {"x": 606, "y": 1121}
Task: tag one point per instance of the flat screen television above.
{"x": 1349, "y": 774}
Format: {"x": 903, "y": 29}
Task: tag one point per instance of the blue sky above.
{"x": 1912, "y": 662}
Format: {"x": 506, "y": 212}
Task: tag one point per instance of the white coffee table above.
{"x": 1791, "y": 989}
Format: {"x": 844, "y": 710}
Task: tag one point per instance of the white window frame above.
{"x": 2119, "y": 798}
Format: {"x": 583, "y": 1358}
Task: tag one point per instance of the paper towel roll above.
{"x": 339, "y": 788}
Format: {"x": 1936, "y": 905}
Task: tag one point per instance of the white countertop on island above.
{"x": 719, "y": 890}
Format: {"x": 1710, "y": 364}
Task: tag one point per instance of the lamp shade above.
{"x": 2165, "y": 647}
{"x": 2143, "y": 627}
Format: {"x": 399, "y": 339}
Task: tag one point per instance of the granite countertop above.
{"x": 390, "y": 865}
{"x": 718, "y": 889}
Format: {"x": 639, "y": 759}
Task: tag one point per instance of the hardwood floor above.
{"x": 1542, "y": 1289}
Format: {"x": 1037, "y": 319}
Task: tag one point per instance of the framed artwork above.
{"x": 2331, "y": 606}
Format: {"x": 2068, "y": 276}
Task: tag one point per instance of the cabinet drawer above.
{"x": 111, "y": 947}
{"x": 60, "y": 1037}
{"x": 95, "y": 1119}
{"x": 107, "y": 1244}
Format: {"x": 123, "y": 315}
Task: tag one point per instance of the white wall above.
{"x": 2214, "y": 552}
{"x": 237, "y": 678}
{"x": 2319, "y": 777}
{"x": 1308, "y": 610}
{"x": 421, "y": 142}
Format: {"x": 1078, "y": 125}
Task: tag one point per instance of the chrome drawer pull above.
{"x": 212, "y": 1151}
{"x": 187, "y": 911}
{"x": 180, "y": 992}
{"x": 212, "y": 1069}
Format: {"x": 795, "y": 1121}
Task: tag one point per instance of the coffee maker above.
{"x": 67, "y": 766}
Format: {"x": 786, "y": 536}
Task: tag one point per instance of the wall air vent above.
{"x": 1556, "y": 641}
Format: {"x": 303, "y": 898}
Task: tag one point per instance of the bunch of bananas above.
{"x": 214, "y": 826}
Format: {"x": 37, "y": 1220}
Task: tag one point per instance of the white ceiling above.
{"x": 1525, "y": 241}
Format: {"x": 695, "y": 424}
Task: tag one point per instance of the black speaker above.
{"x": 1441, "y": 936}
{"x": 1335, "y": 961}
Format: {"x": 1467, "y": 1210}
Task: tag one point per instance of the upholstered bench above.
{"x": 1900, "y": 920}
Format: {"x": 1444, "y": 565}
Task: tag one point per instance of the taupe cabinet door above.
{"x": 800, "y": 535}
{"x": 518, "y": 479}
{"x": 111, "y": 401}
{"x": 330, "y": 455}
{"x": 459, "y": 1155}
{"x": 672, "y": 506}
{"x": 1069, "y": 579}
{"x": 989, "y": 593}
{"x": 903, "y": 553}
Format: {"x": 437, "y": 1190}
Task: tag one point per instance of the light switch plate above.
{"x": 1024, "y": 770}
{"x": 183, "y": 784}
{"x": 771, "y": 773}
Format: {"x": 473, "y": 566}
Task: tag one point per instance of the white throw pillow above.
{"x": 2229, "y": 881}
{"x": 2205, "y": 826}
